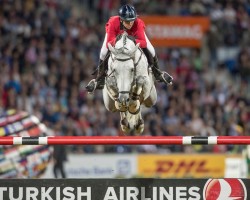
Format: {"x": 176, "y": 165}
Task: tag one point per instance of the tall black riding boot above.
{"x": 159, "y": 75}
{"x": 99, "y": 82}
{"x": 149, "y": 57}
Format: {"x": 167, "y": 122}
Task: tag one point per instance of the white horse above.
{"x": 129, "y": 84}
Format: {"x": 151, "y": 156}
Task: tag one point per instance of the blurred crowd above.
{"x": 49, "y": 47}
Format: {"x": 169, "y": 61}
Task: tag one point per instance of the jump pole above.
{"x": 125, "y": 140}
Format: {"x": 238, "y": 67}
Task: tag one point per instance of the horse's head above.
{"x": 123, "y": 67}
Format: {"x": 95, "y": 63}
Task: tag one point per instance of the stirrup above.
{"x": 91, "y": 86}
{"x": 166, "y": 78}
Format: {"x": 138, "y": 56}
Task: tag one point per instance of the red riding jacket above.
{"x": 113, "y": 28}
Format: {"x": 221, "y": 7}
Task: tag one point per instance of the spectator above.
{"x": 59, "y": 155}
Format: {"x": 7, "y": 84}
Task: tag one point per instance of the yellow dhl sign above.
{"x": 182, "y": 166}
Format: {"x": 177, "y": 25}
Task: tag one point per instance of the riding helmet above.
{"x": 127, "y": 13}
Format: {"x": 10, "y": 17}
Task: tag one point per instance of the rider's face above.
{"x": 128, "y": 25}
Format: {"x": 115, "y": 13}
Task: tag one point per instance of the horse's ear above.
{"x": 112, "y": 49}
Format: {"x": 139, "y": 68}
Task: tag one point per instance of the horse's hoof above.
{"x": 125, "y": 126}
{"x": 119, "y": 107}
{"x": 139, "y": 130}
{"x": 139, "y": 127}
{"x": 134, "y": 107}
{"x": 125, "y": 129}
{"x": 124, "y": 122}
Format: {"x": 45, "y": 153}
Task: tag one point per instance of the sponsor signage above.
{"x": 124, "y": 189}
{"x": 236, "y": 167}
{"x": 182, "y": 166}
{"x": 99, "y": 166}
{"x": 149, "y": 166}
{"x": 221, "y": 189}
{"x": 165, "y": 31}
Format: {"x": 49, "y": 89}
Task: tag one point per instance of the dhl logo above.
{"x": 181, "y": 167}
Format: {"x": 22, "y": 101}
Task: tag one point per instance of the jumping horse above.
{"x": 129, "y": 84}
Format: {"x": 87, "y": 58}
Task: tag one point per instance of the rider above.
{"x": 135, "y": 27}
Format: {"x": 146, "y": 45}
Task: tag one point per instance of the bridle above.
{"x": 124, "y": 60}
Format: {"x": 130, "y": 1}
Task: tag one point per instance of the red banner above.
{"x": 176, "y": 31}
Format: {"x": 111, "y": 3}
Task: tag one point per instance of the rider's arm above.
{"x": 111, "y": 32}
{"x": 140, "y": 34}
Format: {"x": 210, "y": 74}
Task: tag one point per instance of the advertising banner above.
{"x": 165, "y": 31}
{"x": 150, "y": 166}
{"x": 124, "y": 189}
{"x": 98, "y": 166}
{"x": 236, "y": 167}
{"x": 181, "y": 165}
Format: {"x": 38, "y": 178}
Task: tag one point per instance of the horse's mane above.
{"x": 124, "y": 45}
{"x": 124, "y": 38}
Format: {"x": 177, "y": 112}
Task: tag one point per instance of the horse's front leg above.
{"x": 108, "y": 101}
{"x": 134, "y": 103}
